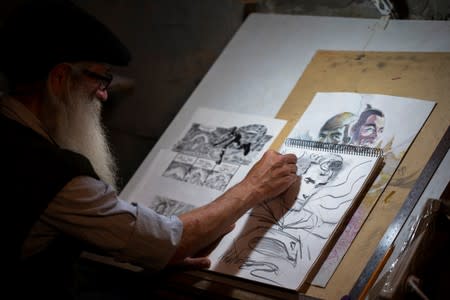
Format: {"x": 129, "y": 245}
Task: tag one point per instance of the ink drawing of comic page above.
{"x": 277, "y": 242}
{"x": 215, "y": 151}
{"x": 387, "y": 122}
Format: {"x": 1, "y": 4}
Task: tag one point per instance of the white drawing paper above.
{"x": 278, "y": 242}
{"x": 216, "y": 151}
{"x": 388, "y": 122}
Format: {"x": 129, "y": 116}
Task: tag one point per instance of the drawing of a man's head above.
{"x": 317, "y": 171}
{"x": 337, "y": 129}
{"x": 251, "y": 134}
{"x": 369, "y": 127}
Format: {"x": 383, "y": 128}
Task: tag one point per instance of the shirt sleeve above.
{"x": 90, "y": 210}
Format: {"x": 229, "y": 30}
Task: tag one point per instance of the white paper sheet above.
{"x": 277, "y": 242}
{"x": 337, "y": 114}
{"x": 214, "y": 152}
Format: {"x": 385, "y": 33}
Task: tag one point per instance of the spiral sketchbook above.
{"x": 283, "y": 244}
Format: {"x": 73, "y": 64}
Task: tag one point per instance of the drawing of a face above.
{"x": 312, "y": 180}
{"x": 369, "y": 128}
{"x": 336, "y": 129}
{"x": 319, "y": 173}
{"x": 335, "y": 135}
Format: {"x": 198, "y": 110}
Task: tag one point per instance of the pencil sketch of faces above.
{"x": 316, "y": 170}
{"x": 365, "y": 129}
{"x": 336, "y": 130}
{"x": 368, "y": 129}
{"x": 274, "y": 242}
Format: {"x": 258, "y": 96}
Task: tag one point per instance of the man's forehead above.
{"x": 95, "y": 66}
{"x": 375, "y": 119}
{"x": 101, "y": 67}
{"x": 334, "y": 130}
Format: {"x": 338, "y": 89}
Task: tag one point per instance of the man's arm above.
{"x": 272, "y": 176}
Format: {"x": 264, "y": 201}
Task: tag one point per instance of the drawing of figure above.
{"x": 195, "y": 142}
{"x": 169, "y": 207}
{"x": 280, "y": 234}
{"x": 368, "y": 129}
{"x": 233, "y": 137}
{"x": 337, "y": 129}
{"x": 239, "y": 141}
{"x": 176, "y": 170}
{"x": 251, "y": 135}
{"x": 196, "y": 176}
{"x": 217, "y": 181}
{"x": 273, "y": 242}
{"x": 236, "y": 145}
{"x": 317, "y": 170}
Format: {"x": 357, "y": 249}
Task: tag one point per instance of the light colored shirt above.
{"x": 91, "y": 211}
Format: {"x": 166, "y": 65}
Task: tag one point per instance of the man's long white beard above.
{"x": 74, "y": 122}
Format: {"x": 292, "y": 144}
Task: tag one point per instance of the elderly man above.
{"x": 58, "y": 192}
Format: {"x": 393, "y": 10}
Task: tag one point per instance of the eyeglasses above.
{"x": 104, "y": 80}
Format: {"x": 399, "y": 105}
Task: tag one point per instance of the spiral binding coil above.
{"x": 334, "y": 148}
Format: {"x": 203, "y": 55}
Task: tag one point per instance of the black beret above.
{"x": 40, "y": 34}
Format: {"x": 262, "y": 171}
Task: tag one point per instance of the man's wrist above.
{"x": 248, "y": 193}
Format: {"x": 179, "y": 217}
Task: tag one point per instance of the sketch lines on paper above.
{"x": 368, "y": 123}
{"x": 169, "y": 207}
{"x": 211, "y": 156}
{"x": 279, "y": 235}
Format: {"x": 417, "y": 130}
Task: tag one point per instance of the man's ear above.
{"x": 57, "y": 78}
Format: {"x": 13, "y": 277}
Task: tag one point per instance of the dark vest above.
{"x": 34, "y": 171}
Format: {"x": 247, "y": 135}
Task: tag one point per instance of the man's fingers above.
{"x": 292, "y": 192}
{"x": 290, "y": 179}
{"x": 195, "y": 263}
{"x": 290, "y": 158}
{"x": 284, "y": 170}
{"x": 230, "y": 228}
{"x": 285, "y": 158}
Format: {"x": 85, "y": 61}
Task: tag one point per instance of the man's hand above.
{"x": 272, "y": 175}
{"x": 290, "y": 195}
{"x": 192, "y": 263}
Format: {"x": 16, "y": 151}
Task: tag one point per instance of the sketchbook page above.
{"x": 278, "y": 243}
{"x": 216, "y": 151}
{"x": 388, "y": 122}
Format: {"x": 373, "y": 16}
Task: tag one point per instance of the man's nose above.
{"x": 101, "y": 95}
